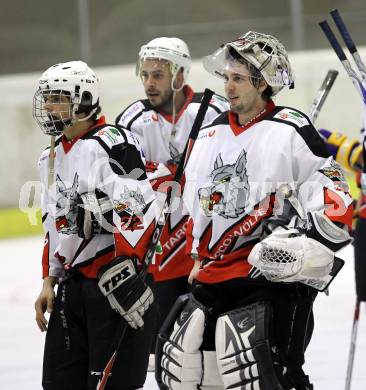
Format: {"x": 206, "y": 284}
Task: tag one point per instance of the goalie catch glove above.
{"x": 289, "y": 255}
{"x": 126, "y": 292}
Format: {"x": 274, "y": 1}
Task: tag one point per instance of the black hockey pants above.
{"x": 82, "y": 335}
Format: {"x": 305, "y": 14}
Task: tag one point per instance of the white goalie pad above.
{"x": 182, "y": 360}
{"x": 281, "y": 258}
{"x": 244, "y": 354}
{"x": 183, "y": 365}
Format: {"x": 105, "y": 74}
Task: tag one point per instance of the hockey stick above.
{"x": 161, "y": 222}
{"x": 352, "y": 349}
{"x": 322, "y": 94}
{"x": 349, "y": 42}
{"x": 356, "y": 80}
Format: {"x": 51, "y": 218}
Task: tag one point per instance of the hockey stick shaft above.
{"x": 342, "y": 57}
{"x": 161, "y": 222}
{"x": 178, "y": 175}
{"x": 342, "y": 28}
{"x": 352, "y": 350}
{"x": 322, "y": 94}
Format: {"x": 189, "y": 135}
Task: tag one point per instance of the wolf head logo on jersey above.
{"x": 131, "y": 202}
{"x": 131, "y": 207}
{"x": 227, "y": 195}
{"x": 66, "y": 206}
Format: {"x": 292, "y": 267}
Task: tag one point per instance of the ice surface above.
{"x": 21, "y": 343}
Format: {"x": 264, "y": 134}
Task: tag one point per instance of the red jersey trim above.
{"x": 189, "y": 93}
{"x": 234, "y": 266}
{"x": 237, "y": 129}
{"x": 336, "y": 210}
{"x": 91, "y": 270}
{"x": 46, "y": 256}
{"x": 68, "y": 144}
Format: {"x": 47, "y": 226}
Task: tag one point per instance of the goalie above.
{"x": 267, "y": 193}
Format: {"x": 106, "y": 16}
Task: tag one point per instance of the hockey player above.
{"x": 263, "y": 191}
{"x": 162, "y": 123}
{"x": 349, "y": 153}
{"x": 96, "y": 271}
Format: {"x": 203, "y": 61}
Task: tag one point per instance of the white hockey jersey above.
{"x": 233, "y": 179}
{"x": 106, "y": 161}
{"x": 163, "y": 142}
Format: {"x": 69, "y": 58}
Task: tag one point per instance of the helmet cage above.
{"x": 264, "y": 52}
{"x": 74, "y": 80}
{"x": 53, "y": 123}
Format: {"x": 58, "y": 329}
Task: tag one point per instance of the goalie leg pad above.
{"x": 180, "y": 364}
{"x": 244, "y": 354}
{"x": 181, "y": 360}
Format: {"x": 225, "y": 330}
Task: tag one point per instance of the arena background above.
{"x": 108, "y": 34}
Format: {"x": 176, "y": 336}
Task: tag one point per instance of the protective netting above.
{"x": 278, "y": 263}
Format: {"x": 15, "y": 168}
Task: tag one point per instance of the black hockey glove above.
{"x": 127, "y": 293}
{"x": 94, "y": 214}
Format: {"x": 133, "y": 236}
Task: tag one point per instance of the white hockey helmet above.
{"x": 173, "y": 50}
{"x": 265, "y": 52}
{"x": 73, "y": 79}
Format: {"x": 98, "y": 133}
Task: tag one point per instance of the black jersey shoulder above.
{"x": 197, "y": 98}
{"x": 133, "y": 112}
{"x": 303, "y": 126}
{"x": 124, "y": 156}
{"x": 221, "y": 119}
{"x": 113, "y": 129}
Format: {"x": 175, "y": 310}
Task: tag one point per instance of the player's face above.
{"x": 156, "y": 78}
{"x": 245, "y": 100}
{"x": 57, "y": 106}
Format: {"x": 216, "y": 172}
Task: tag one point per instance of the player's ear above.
{"x": 262, "y": 85}
{"x": 179, "y": 79}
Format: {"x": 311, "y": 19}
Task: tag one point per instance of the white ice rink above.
{"x": 21, "y": 343}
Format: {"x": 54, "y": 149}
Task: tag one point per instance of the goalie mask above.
{"x": 263, "y": 52}
{"x": 173, "y": 50}
{"x": 64, "y": 91}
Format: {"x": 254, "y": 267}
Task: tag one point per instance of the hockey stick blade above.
{"x": 207, "y": 95}
{"x": 106, "y": 372}
{"x": 343, "y": 30}
{"x": 342, "y": 57}
{"x": 322, "y": 94}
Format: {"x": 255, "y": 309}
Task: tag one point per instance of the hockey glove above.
{"x": 288, "y": 256}
{"x": 344, "y": 150}
{"x": 94, "y": 214}
{"x": 126, "y": 292}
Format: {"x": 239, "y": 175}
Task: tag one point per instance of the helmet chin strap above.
{"x": 75, "y": 119}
